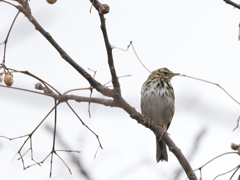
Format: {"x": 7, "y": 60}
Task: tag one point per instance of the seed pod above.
{"x": 51, "y": 1}
{"x": 8, "y": 79}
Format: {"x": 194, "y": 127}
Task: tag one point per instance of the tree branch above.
{"x": 149, "y": 124}
{"x": 115, "y": 81}
{"x": 118, "y": 100}
{"x": 98, "y": 86}
{"x": 232, "y": 3}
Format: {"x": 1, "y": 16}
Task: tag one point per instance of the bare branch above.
{"x": 108, "y": 46}
{"x": 64, "y": 163}
{"x": 84, "y": 124}
{"x": 69, "y": 151}
{"x": 21, "y": 89}
{"x": 232, "y": 3}
{"x": 116, "y": 93}
{"x": 91, "y": 91}
{"x": 96, "y": 4}
{"x": 236, "y": 169}
{"x": 193, "y": 151}
{"x": 235, "y": 172}
{"x": 47, "y": 85}
{"x": 8, "y": 3}
{"x": 74, "y": 158}
{"x": 99, "y": 87}
{"x": 213, "y": 84}
{"x": 131, "y": 44}
{"x": 29, "y": 136}
{"x": 6, "y": 40}
{"x": 200, "y": 168}
{"x": 237, "y": 124}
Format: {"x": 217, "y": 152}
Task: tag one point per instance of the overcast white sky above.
{"x": 197, "y": 38}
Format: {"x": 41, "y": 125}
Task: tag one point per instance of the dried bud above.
{"x": 8, "y": 79}
{"x": 235, "y": 146}
{"x": 104, "y": 9}
{"x": 51, "y": 1}
{"x": 38, "y": 86}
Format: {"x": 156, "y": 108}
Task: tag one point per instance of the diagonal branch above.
{"x": 118, "y": 100}
{"x": 98, "y": 86}
{"x": 115, "y": 81}
{"x": 6, "y": 40}
{"x": 213, "y": 84}
{"x": 108, "y": 46}
{"x": 96, "y": 4}
{"x": 232, "y": 3}
{"x": 159, "y": 133}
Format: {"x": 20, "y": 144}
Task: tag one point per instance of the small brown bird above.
{"x": 157, "y": 104}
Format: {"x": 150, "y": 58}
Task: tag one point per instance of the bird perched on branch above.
{"x": 157, "y": 104}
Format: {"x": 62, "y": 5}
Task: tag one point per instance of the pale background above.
{"x": 197, "y": 38}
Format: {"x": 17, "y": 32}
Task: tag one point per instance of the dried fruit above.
{"x": 8, "y": 78}
{"x": 51, "y": 1}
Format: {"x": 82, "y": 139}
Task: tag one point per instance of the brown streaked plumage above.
{"x": 157, "y": 104}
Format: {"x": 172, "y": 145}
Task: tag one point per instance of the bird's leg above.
{"x": 164, "y": 131}
{"x": 163, "y": 128}
{"x": 148, "y": 118}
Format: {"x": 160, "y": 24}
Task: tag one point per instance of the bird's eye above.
{"x": 165, "y": 73}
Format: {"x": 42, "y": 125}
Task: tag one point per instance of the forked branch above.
{"x": 116, "y": 92}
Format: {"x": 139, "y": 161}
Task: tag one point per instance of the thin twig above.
{"x": 41, "y": 162}
{"x": 9, "y": 3}
{"x": 51, "y": 161}
{"x": 213, "y": 84}
{"x": 85, "y": 124}
{"x": 27, "y": 90}
{"x": 118, "y": 77}
{"x": 64, "y": 163}
{"x": 228, "y": 172}
{"x": 115, "y": 47}
{"x": 69, "y": 151}
{"x": 15, "y": 137}
{"x": 24, "y": 154}
{"x": 234, "y": 172}
{"x": 91, "y": 91}
{"x": 29, "y": 136}
{"x": 214, "y": 159}
{"x": 77, "y": 89}
{"x": 131, "y": 44}
{"x": 54, "y": 136}
{"x": 237, "y": 124}
{"x": 36, "y": 77}
{"x": 74, "y": 158}
{"x": 96, "y": 152}
{"x": 6, "y": 40}
{"x": 91, "y": 7}
{"x": 140, "y": 59}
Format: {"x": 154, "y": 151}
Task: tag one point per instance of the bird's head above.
{"x": 163, "y": 73}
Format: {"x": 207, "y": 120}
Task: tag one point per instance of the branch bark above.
{"x": 232, "y": 3}
{"x": 118, "y": 100}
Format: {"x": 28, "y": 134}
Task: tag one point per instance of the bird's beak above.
{"x": 175, "y": 74}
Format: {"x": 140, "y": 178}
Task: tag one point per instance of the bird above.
{"x": 157, "y": 104}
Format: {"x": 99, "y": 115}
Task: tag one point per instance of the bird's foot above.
{"x": 164, "y": 131}
{"x": 149, "y": 120}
